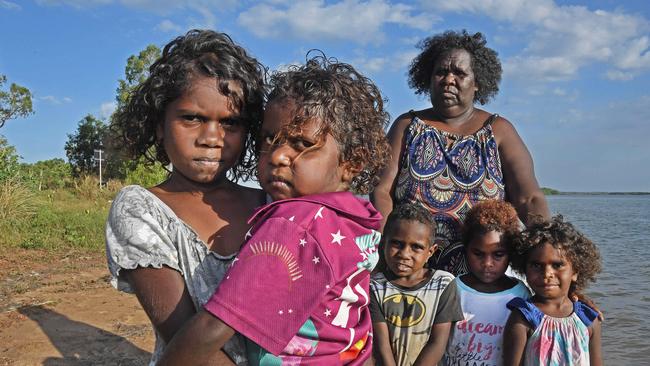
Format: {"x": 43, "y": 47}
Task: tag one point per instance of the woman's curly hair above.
{"x": 197, "y": 53}
{"x": 346, "y": 104}
{"x": 485, "y": 62}
{"x": 491, "y": 215}
{"x": 578, "y": 249}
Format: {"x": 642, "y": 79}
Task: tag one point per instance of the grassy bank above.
{"x": 71, "y": 218}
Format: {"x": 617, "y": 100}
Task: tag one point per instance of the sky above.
{"x": 575, "y": 82}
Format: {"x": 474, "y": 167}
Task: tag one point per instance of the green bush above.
{"x": 47, "y": 174}
{"x": 146, "y": 175}
{"x": 9, "y": 165}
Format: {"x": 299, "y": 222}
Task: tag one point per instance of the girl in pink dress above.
{"x": 549, "y": 328}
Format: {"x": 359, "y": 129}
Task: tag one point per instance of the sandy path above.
{"x": 61, "y": 310}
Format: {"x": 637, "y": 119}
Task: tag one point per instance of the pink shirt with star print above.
{"x": 298, "y": 291}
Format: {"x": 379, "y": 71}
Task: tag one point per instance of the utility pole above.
{"x": 98, "y": 157}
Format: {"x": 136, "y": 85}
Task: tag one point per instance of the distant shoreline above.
{"x": 554, "y": 192}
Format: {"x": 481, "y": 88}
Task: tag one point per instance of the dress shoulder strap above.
{"x": 528, "y": 310}
{"x": 491, "y": 119}
{"x": 586, "y": 314}
{"x": 411, "y": 114}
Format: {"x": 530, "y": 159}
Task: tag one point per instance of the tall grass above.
{"x": 64, "y": 219}
{"x": 16, "y": 201}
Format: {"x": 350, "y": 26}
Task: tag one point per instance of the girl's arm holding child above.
{"x": 198, "y": 342}
{"x": 164, "y": 298}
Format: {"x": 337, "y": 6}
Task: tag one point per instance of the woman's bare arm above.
{"x": 382, "y": 196}
{"x": 522, "y": 189}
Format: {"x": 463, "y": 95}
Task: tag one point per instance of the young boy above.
{"x": 412, "y": 307}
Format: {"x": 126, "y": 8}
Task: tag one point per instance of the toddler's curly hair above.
{"x": 346, "y": 104}
{"x": 578, "y": 249}
{"x": 195, "y": 54}
{"x": 491, "y": 215}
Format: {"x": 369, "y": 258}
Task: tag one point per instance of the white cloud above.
{"x": 168, "y": 26}
{"x": 4, "y": 4}
{"x": 204, "y": 9}
{"x": 391, "y": 63}
{"x": 561, "y": 39}
{"x": 350, "y": 20}
{"x": 619, "y": 75}
{"x": 107, "y": 109}
{"x": 55, "y": 100}
{"x": 74, "y": 3}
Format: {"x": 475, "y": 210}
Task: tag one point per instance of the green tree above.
{"x": 136, "y": 71}
{"x": 80, "y": 147}
{"x": 9, "y": 165}
{"x": 134, "y": 171}
{"x": 17, "y": 102}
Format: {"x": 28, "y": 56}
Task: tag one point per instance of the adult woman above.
{"x": 452, "y": 155}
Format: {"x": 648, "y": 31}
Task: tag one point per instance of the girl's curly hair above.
{"x": 197, "y": 53}
{"x": 485, "y": 62}
{"x": 578, "y": 249}
{"x": 346, "y": 104}
{"x": 491, "y": 215}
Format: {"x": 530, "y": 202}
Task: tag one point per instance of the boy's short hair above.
{"x": 347, "y": 104}
{"x": 411, "y": 212}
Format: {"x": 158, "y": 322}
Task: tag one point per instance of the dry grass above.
{"x": 17, "y": 201}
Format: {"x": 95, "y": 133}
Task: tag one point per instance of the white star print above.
{"x": 303, "y": 242}
{"x": 319, "y": 213}
{"x": 327, "y": 312}
{"x": 280, "y": 312}
{"x": 327, "y": 286}
{"x": 316, "y": 260}
{"x": 291, "y": 218}
{"x": 337, "y": 237}
{"x": 290, "y": 311}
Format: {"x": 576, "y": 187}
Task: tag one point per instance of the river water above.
{"x": 620, "y": 225}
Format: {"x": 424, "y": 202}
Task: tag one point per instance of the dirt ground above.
{"x": 60, "y": 309}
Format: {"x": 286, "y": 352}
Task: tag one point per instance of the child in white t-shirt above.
{"x": 486, "y": 289}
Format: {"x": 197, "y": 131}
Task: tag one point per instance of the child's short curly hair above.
{"x": 347, "y": 104}
{"x": 485, "y": 62}
{"x": 197, "y": 53}
{"x": 491, "y": 215}
{"x": 411, "y": 212}
{"x": 578, "y": 249}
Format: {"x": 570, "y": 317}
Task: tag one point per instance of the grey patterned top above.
{"x": 142, "y": 231}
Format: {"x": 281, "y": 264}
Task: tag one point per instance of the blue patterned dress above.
{"x": 448, "y": 174}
